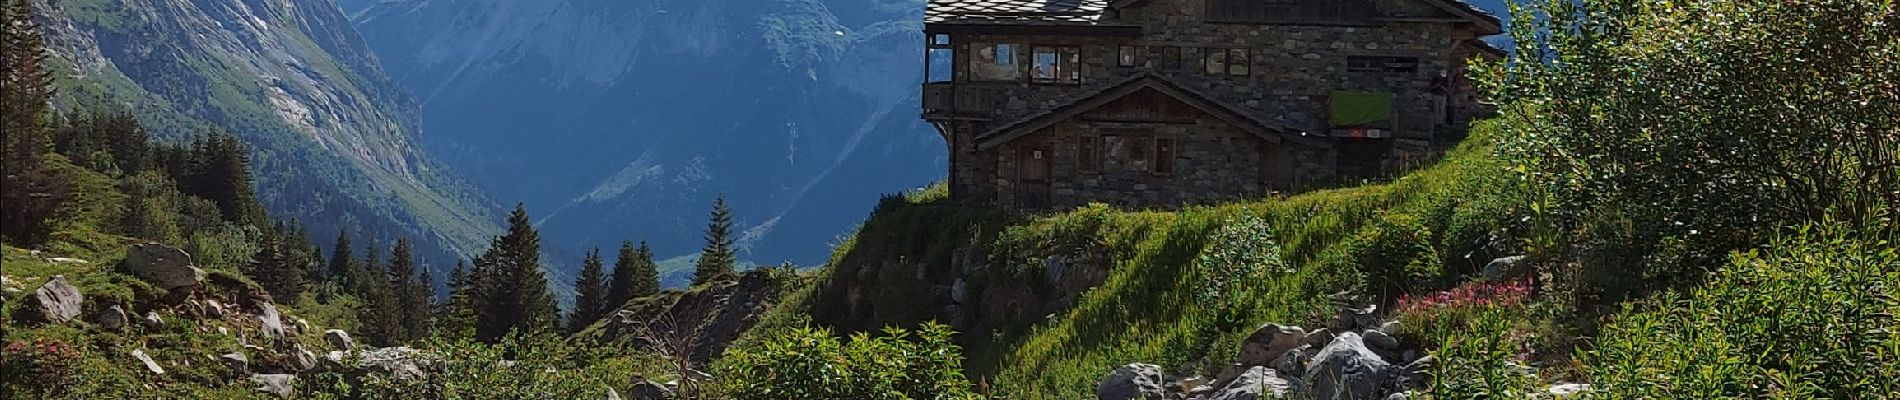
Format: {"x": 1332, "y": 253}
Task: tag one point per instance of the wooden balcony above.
{"x": 951, "y": 100}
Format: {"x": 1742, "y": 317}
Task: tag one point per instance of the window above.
{"x": 1171, "y": 58}
{"x": 993, "y": 62}
{"x": 1087, "y": 158}
{"x": 1380, "y": 64}
{"x": 1164, "y": 156}
{"x": 1215, "y": 60}
{"x": 1140, "y": 153}
{"x": 1129, "y": 56}
{"x": 1056, "y": 65}
{"x": 1230, "y": 62}
{"x": 1239, "y": 62}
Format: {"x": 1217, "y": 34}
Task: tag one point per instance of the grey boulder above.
{"x": 237, "y": 362}
{"x": 1506, "y": 268}
{"x": 112, "y": 319}
{"x": 339, "y": 339}
{"x": 1131, "y": 382}
{"x": 1269, "y": 342}
{"x": 1346, "y": 369}
{"x": 280, "y": 385}
{"x": 57, "y": 301}
{"x": 1255, "y": 384}
{"x": 645, "y": 389}
{"x": 164, "y": 266}
{"x": 270, "y": 321}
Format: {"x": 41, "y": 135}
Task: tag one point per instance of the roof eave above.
{"x": 1033, "y": 28}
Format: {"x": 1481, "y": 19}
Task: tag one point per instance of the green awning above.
{"x": 1353, "y": 109}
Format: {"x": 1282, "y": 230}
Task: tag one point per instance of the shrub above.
{"x": 1478, "y": 337}
{"x": 1667, "y": 134}
{"x": 38, "y": 369}
{"x": 1394, "y": 255}
{"x": 1811, "y": 318}
{"x": 809, "y": 363}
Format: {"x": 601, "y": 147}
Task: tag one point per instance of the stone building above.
{"x": 1164, "y": 103}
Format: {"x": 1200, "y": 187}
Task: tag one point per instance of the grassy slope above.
{"x": 1189, "y": 291}
{"x": 1183, "y": 287}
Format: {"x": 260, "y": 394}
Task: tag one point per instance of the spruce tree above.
{"x": 457, "y": 319}
{"x": 635, "y": 275}
{"x": 30, "y": 194}
{"x": 379, "y": 308}
{"x": 342, "y": 260}
{"x": 274, "y": 267}
{"x": 221, "y": 173}
{"x": 513, "y": 294}
{"x": 590, "y": 291}
{"x": 717, "y": 258}
{"x": 409, "y": 293}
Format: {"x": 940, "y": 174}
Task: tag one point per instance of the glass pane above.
{"x": 1043, "y": 66}
{"x": 1216, "y": 61}
{"x": 1127, "y": 56}
{"x": 994, "y": 62}
{"x": 1071, "y": 65}
{"x": 941, "y": 65}
{"x": 1238, "y": 62}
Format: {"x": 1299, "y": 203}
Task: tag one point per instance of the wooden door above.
{"x": 1032, "y": 175}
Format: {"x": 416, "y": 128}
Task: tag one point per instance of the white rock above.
{"x": 276, "y": 384}
{"x": 147, "y": 360}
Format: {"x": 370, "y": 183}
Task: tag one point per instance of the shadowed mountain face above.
{"x": 621, "y": 120}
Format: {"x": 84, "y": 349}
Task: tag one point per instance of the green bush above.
{"x": 1659, "y": 136}
{"x": 809, "y": 363}
{"x": 539, "y": 366}
{"x": 1813, "y": 317}
{"x": 1395, "y": 255}
{"x": 39, "y": 369}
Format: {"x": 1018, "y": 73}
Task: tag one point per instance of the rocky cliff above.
{"x": 333, "y": 138}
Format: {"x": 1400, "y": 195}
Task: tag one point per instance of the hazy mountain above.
{"x": 333, "y": 137}
{"x": 622, "y": 119}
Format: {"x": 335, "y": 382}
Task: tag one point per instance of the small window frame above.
{"x": 1164, "y": 156}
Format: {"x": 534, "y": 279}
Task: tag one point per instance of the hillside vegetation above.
{"x": 1705, "y": 194}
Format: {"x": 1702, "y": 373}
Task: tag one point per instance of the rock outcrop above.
{"x": 56, "y": 301}
{"x": 1133, "y": 382}
{"x": 280, "y": 385}
{"x": 339, "y": 339}
{"x": 112, "y": 319}
{"x": 1346, "y": 369}
{"x": 709, "y": 318}
{"x": 164, "y": 266}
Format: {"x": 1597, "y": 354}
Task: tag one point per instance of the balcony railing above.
{"x": 954, "y": 100}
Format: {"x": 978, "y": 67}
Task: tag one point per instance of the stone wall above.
{"x": 1290, "y": 72}
{"x": 1214, "y": 161}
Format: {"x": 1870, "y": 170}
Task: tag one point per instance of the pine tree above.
{"x": 342, "y": 260}
{"x": 411, "y": 297}
{"x": 378, "y": 311}
{"x": 635, "y": 275}
{"x": 221, "y": 173}
{"x": 513, "y": 294}
{"x": 275, "y": 268}
{"x": 30, "y": 194}
{"x": 458, "y": 310}
{"x": 590, "y": 291}
{"x": 717, "y": 258}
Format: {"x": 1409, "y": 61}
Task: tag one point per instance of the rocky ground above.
{"x": 1356, "y": 357}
